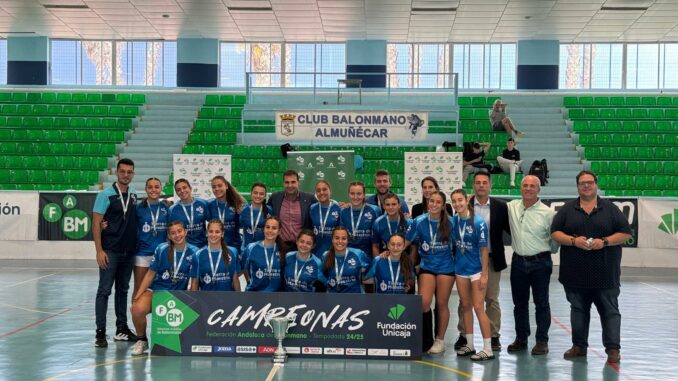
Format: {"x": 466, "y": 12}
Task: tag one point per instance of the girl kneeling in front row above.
{"x": 215, "y": 266}
{"x": 169, "y": 270}
{"x": 303, "y": 270}
{"x": 393, "y": 274}
{"x": 344, "y": 266}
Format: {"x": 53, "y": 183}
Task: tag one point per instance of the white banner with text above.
{"x": 19, "y": 211}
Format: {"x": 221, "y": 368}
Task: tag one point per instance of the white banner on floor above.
{"x": 445, "y": 167}
{"x": 658, "y": 224}
{"x": 199, "y": 171}
{"x": 19, "y": 216}
{"x": 357, "y": 127}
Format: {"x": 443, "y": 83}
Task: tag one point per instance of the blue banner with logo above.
{"x": 204, "y": 323}
{"x": 66, "y": 216}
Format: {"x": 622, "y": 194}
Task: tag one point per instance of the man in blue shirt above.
{"x": 115, "y": 250}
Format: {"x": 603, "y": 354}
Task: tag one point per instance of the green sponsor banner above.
{"x": 66, "y": 216}
{"x": 171, "y": 316}
{"x": 335, "y": 167}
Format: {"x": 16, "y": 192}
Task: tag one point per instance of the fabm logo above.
{"x": 669, "y": 223}
{"x": 396, "y": 311}
{"x": 74, "y": 223}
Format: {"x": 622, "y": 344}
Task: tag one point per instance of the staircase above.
{"x": 161, "y": 132}
{"x": 546, "y": 137}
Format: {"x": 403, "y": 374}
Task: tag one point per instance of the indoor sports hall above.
{"x": 339, "y": 91}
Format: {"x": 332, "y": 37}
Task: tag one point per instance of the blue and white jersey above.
{"x": 219, "y": 210}
{"x": 435, "y": 256}
{"x": 346, "y": 274}
{"x": 194, "y": 216}
{"x": 359, "y": 223}
{"x": 388, "y": 281}
{"x": 469, "y": 238}
{"x": 374, "y": 200}
{"x": 383, "y": 229}
{"x": 171, "y": 276}
{"x": 152, "y": 227}
{"x": 324, "y": 220}
{"x": 210, "y": 270}
{"x": 300, "y": 275}
{"x": 263, "y": 265}
{"x": 252, "y": 221}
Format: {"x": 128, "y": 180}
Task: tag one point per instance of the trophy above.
{"x": 280, "y": 325}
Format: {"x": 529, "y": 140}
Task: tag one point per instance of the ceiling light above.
{"x": 250, "y": 9}
{"x": 434, "y": 10}
{"x": 622, "y": 8}
{"x": 65, "y": 6}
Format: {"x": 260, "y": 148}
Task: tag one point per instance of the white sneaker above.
{"x": 437, "y": 347}
{"x": 139, "y": 348}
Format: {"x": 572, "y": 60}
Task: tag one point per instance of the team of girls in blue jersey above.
{"x": 325, "y": 216}
{"x": 348, "y": 247}
{"x": 471, "y": 236}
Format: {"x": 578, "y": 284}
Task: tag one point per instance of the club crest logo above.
{"x": 287, "y": 124}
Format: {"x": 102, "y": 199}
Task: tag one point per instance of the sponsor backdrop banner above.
{"x": 335, "y": 167}
{"x": 66, "y": 216}
{"x": 19, "y": 216}
{"x": 658, "y": 223}
{"x": 365, "y": 126}
{"x": 445, "y": 167}
{"x": 326, "y": 325}
{"x": 199, "y": 171}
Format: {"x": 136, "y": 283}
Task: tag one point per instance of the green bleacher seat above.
{"x": 625, "y": 153}
{"x": 591, "y": 113}
{"x": 479, "y": 102}
{"x": 5, "y": 97}
{"x": 464, "y": 101}
{"x": 34, "y": 97}
{"x": 635, "y": 167}
{"x": 607, "y": 113}
{"x": 85, "y": 110}
{"x": 78, "y": 98}
{"x": 656, "y": 113}
{"x": 93, "y": 98}
{"x": 93, "y": 122}
{"x": 639, "y": 113}
{"x": 70, "y": 110}
{"x": 646, "y": 126}
{"x": 613, "y": 126}
{"x": 63, "y": 98}
{"x": 601, "y": 101}
{"x": 616, "y": 101}
{"x": 122, "y": 98}
{"x": 650, "y": 166}
{"x": 138, "y": 99}
{"x": 8, "y": 109}
{"x": 585, "y": 101}
{"x": 52, "y": 135}
{"x": 632, "y": 101}
{"x": 664, "y": 101}
{"x": 574, "y": 113}
{"x": 648, "y": 101}
{"x": 644, "y": 181}
{"x": 227, "y": 99}
{"x": 212, "y": 100}
{"x": 19, "y": 97}
{"x": 131, "y": 111}
{"x": 108, "y": 98}
{"x": 240, "y": 99}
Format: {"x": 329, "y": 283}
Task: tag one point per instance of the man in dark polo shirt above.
{"x": 382, "y": 182}
{"x": 590, "y": 231}
{"x": 292, "y": 206}
{"x": 115, "y": 249}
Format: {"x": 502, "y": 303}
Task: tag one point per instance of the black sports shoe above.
{"x": 461, "y": 341}
{"x": 124, "y": 334}
{"x": 496, "y": 345}
{"x": 100, "y": 339}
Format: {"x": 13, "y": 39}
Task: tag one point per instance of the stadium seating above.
{"x": 61, "y": 140}
{"x": 630, "y": 141}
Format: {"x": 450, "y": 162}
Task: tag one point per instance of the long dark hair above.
{"x": 282, "y": 247}
{"x": 145, "y": 202}
{"x": 403, "y": 222}
{"x": 469, "y": 206}
{"x": 357, "y": 184}
{"x": 170, "y": 248}
{"x": 224, "y": 248}
{"x": 406, "y": 268}
{"x": 432, "y": 179}
{"x": 263, "y": 203}
{"x": 233, "y": 197}
{"x": 444, "y": 224}
{"x": 331, "y": 253}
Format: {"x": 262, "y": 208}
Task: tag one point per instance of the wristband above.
{"x": 572, "y": 240}
{"x": 605, "y": 242}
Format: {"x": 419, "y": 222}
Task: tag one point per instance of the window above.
{"x": 3, "y": 62}
{"x": 418, "y": 65}
{"x": 485, "y": 66}
{"x": 146, "y": 63}
{"x": 238, "y": 59}
{"x": 591, "y": 66}
{"x": 314, "y": 59}
{"x": 81, "y": 62}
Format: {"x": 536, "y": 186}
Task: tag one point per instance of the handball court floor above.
{"x": 47, "y": 333}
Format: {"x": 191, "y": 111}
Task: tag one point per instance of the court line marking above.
{"x": 273, "y": 371}
{"x": 28, "y": 280}
{"x": 60, "y": 375}
{"x": 33, "y": 324}
{"x": 25, "y": 309}
{"x": 661, "y": 290}
{"x": 457, "y": 371}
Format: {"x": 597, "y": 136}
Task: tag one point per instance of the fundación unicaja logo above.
{"x": 669, "y": 223}
{"x": 74, "y": 223}
{"x": 396, "y": 311}
{"x": 171, "y": 317}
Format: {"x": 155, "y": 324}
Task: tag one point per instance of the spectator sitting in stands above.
{"x": 509, "y": 161}
{"x": 473, "y": 160}
{"x": 500, "y": 121}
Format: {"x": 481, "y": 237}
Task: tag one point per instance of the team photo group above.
{"x": 293, "y": 241}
